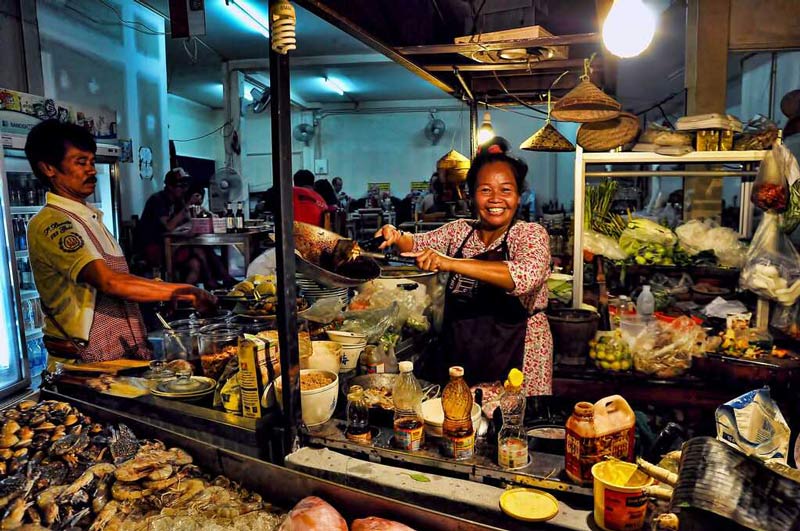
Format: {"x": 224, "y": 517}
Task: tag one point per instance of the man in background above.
{"x": 309, "y": 206}
{"x": 338, "y": 185}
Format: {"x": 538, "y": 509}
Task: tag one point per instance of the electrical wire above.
{"x": 147, "y": 29}
{"x": 110, "y": 22}
{"x": 503, "y": 86}
{"x": 223, "y": 126}
{"x": 506, "y": 109}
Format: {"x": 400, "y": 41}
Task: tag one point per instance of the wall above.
{"x": 189, "y": 120}
{"x": 113, "y": 65}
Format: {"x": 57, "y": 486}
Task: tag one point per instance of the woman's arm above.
{"x": 137, "y": 289}
{"x": 495, "y": 273}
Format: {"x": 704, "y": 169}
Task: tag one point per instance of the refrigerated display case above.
{"x": 14, "y": 369}
{"x": 23, "y": 197}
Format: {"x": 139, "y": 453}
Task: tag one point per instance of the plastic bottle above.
{"x": 390, "y": 364}
{"x": 357, "y": 416}
{"x": 512, "y": 441}
{"x": 408, "y": 421}
{"x": 458, "y": 439}
{"x": 595, "y": 431}
{"x": 646, "y": 303}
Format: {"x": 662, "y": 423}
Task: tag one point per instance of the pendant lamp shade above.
{"x": 547, "y": 139}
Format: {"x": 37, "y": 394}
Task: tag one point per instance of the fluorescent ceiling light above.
{"x": 249, "y": 16}
{"x": 334, "y": 85}
{"x": 248, "y": 95}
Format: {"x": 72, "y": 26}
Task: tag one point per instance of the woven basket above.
{"x": 604, "y": 136}
{"x": 547, "y": 139}
{"x": 586, "y": 103}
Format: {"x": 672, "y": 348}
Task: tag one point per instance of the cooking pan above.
{"x": 312, "y": 242}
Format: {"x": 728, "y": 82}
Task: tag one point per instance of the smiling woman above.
{"x": 496, "y": 289}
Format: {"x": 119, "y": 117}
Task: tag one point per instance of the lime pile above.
{"x": 610, "y": 352}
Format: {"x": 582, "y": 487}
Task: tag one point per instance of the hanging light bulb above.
{"x": 629, "y": 28}
{"x": 485, "y": 131}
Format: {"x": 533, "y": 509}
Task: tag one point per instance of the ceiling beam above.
{"x": 338, "y": 20}
{"x": 471, "y": 47}
{"x": 498, "y": 67}
{"x": 313, "y": 60}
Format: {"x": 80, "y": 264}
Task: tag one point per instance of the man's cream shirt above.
{"x": 59, "y": 249}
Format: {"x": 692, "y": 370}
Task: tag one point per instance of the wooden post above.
{"x": 707, "y": 30}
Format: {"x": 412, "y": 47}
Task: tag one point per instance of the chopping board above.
{"x": 106, "y": 367}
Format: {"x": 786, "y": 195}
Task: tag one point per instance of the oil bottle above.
{"x": 458, "y": 439}
{"x": 357, "y": 416}
{"x": 408, "y": 422}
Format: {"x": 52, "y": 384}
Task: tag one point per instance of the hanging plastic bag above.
{"x": 771, "y": 188}
{"x": 772, "y": 266}
{"x": 787, "y": 320}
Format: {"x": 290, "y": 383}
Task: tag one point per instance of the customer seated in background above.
{"x": 324, "y": 188}
{"x": 213, "y": 272}
{"x": 309, "y": 206}
{"x": 344, "y": 199}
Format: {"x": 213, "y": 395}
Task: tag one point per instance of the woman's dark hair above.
{"x": 496, "y": 150}
{"x": 48, "y": 142}
{"x": 324, "y": 188}
{"x": 303, "y": 178}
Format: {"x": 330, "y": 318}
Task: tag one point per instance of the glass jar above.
{"x": 218, "y": 344}
{"x": 186, "y": 333}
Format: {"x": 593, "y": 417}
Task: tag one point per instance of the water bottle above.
{"x": 512, "y": 441}
{"x": 408, "y": 421}
{"x": 646, "y": 303}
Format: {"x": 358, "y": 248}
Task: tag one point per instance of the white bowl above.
{"x": 350, "y": 355}
{"x": 317, "y": 404}
{"x": 433, "y": 414}
{"x": 346, "y": 338}
{"x": 325, "y": 356}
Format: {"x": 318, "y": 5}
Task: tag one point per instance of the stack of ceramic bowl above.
{"x": 352, "y": 346}
{"x": 314, "y": 291}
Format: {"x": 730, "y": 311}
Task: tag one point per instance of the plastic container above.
{"x": 512, "y": 440}
{"x": 646, "y": 303}
{"x": 408, "y": 421}
{"x": 595, "y": 431}
{"x": 458, "y": 435}
{"x": 358, "y": 429}
{"x": 620, "y": 503}
{"x": 371, "y": 361}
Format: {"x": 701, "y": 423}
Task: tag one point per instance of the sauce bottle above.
{"x": 357, "y": 416}
{"x": 595, "y": 431}
{"x": 458, "y": 439}
{"x": 408, "y": 422}
{"x": 512, "y": 441}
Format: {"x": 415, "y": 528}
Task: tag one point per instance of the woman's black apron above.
{"x": 484, "y": 327}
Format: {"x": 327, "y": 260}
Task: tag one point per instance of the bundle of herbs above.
{"x": 599, "y": 217}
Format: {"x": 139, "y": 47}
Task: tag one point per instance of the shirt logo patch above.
{"x": 69, "y": 243}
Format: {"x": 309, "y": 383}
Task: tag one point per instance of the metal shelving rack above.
{"x": 746, "y": 160}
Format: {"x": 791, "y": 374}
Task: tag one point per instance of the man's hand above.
{"x": 430, "y": 260}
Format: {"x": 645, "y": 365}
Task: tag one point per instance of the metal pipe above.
{"x": 671, "y": 173}
{"x": 473, "y": 128}
{"x": 773, "y": 72}
{"x": 460, "y": 79}
{"x": 281, "y": 111}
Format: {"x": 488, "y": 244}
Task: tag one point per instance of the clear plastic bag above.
{"x": 372, "y": 323}
{"x": 665, "y": 350}
{"x": 771, "y": 187}
{"x": 696, "y": 236}
{"x": 787, "y": 320}
{"x": 602, "y": 245}
{"x": 772, "y": 266}
{"x": 610, "y": 351}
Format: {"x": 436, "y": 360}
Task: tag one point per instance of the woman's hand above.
{"x": 390, "y": 235}
{"x": 430, "y": 260}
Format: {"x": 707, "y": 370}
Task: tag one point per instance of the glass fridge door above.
{"x": 14, "y": 374}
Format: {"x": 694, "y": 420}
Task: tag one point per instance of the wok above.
{"x": 312, "y": 242}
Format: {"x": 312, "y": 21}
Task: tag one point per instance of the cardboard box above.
{"x": 252, "y": 367}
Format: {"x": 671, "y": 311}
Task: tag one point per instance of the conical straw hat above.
{"x": 586, "y": 103}
{"x": 547, "y": 139}
{"x": 603, "y": 136}
{"x": 453, "y": 167}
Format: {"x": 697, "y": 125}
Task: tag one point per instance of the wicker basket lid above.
{"x": 603, "y": 136}
{"x": 547, "y": 139}
{"x": 586, "y": 103}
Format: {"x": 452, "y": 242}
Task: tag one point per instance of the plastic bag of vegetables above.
{"x": 696, "y": 236}
{"x": 602, "y": 245}
{"x": 771, "y": 187}
{"x": 787, "y": 320}
{"x": 665, "y": 350}
{"x": 648, "y": 243}
{"x": 772, "y": 267}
